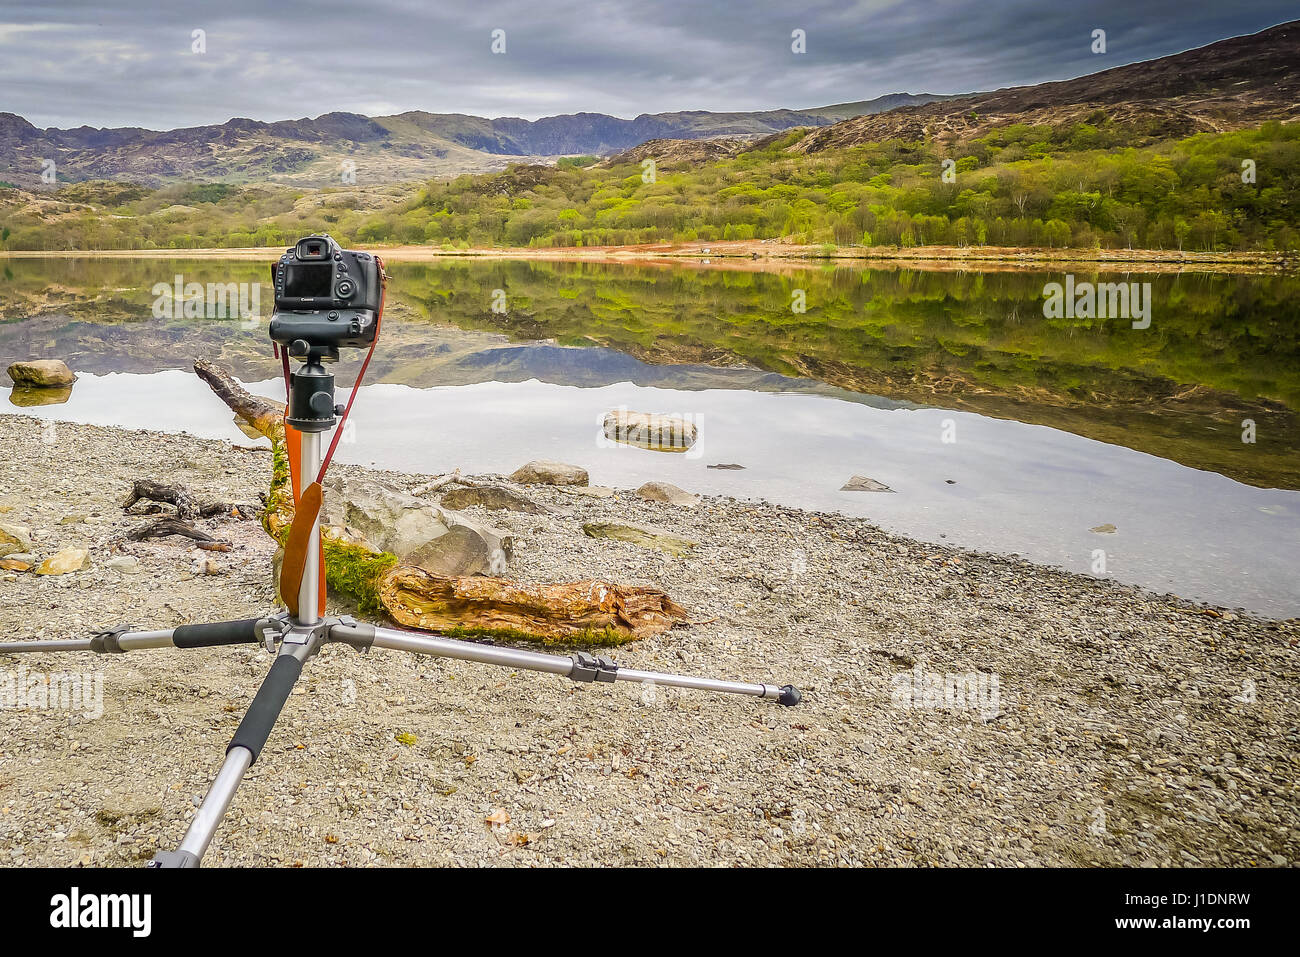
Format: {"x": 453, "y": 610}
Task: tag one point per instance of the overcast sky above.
{"x": 130, "y": 62}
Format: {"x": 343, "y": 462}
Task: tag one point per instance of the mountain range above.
{"x": 1227, "y": 85}
{"x": 412, "y": 145}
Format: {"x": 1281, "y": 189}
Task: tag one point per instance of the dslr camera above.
{"x": 326, "y": 297}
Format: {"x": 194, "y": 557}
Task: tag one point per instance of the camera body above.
{"x": 325, "y": 296}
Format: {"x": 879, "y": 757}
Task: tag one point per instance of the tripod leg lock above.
{"x": 359, "y": 634}
{"x": 592, "y": 668}
{"x": 104, "y": 641}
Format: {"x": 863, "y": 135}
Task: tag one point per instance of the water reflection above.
{"x": 1222, "y": 350}
{"x": 1001, "y": 485}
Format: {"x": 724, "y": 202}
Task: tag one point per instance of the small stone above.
{"x": 590, "y": 491}
{"x": 64, "y": 561}
{"x": 1107, "y": 529}
{"x": 491, "y": 497}
{"x": 125, "y": 564}
{"x": 639, "y": 535}
{"x": 544, "y": 472}
{"x": 15, "y": 538}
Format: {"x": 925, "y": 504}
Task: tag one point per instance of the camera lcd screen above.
{"x": 311, "y": 281}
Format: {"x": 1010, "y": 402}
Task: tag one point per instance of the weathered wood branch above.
{"x": 164, "y": 527}
{"x": 263, "y": 416}
{"x": 585, "y": 612}
{"x": 187, "y": 508}
{"x": 177, "y": 495}
{"x": 451, "y": 478}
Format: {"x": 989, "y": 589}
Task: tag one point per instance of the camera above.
{"x": 326, "y": 297}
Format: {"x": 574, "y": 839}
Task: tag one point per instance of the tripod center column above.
{"x": 311, "y": 412}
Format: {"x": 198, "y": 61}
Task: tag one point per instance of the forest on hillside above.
{"x": 1076, "y": 185}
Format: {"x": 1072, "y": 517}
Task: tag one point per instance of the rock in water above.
{"x": 860, "y": 483}
{"x": 640, "y": 535}
{"x": 15, "y": 538}
{"x": 42, "y": 373}
{"x": 727, "y": 466}
{"x": 647, "y": 430}
{"x": 491, "y": 497}
{"x": 28, "y": 396}
{"x": 664, "y": 492}
{"x": 542, "y": 472}
{"x": 64, "y": 561}
{"x": 1107, "y": 529}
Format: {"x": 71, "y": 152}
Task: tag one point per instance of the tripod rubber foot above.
{"x": 790, "y": 696}
{"x": 172, "y": 859}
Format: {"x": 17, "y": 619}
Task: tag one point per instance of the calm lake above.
{"x": 997, "y": 428}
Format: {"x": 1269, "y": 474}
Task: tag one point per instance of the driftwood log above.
{"x": 582, "y": 612}
{"x": 164, "y": 527}
{"x": 187, "y": 507}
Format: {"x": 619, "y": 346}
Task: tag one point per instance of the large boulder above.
{"x": 42, "y": 373}
{"x": 368, "y": 513}
{"x": 648, "y": 430}
{"x": 543, "y": 472}
{"x": 382, "y": 517}
{"x": 462, "y": 551}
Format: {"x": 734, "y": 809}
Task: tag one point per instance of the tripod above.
{"x": 295, "y": 637}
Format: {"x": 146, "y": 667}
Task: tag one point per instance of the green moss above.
{"x": 354, "y": 572}
{"x": 279, "y": 499}
{"x": 584, "y": 639}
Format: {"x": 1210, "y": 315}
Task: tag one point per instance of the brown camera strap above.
{"x": 295, "y": 546}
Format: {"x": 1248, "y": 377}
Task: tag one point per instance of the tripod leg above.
{"x": 578, "y": 667}
{"x": 120, "y": 638}
{"x": 244, "y": 748}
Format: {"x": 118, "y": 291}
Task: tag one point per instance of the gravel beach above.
{"x": 1099, "y": 724}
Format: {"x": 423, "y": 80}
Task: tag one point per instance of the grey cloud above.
{"x": 129, "y": 63}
